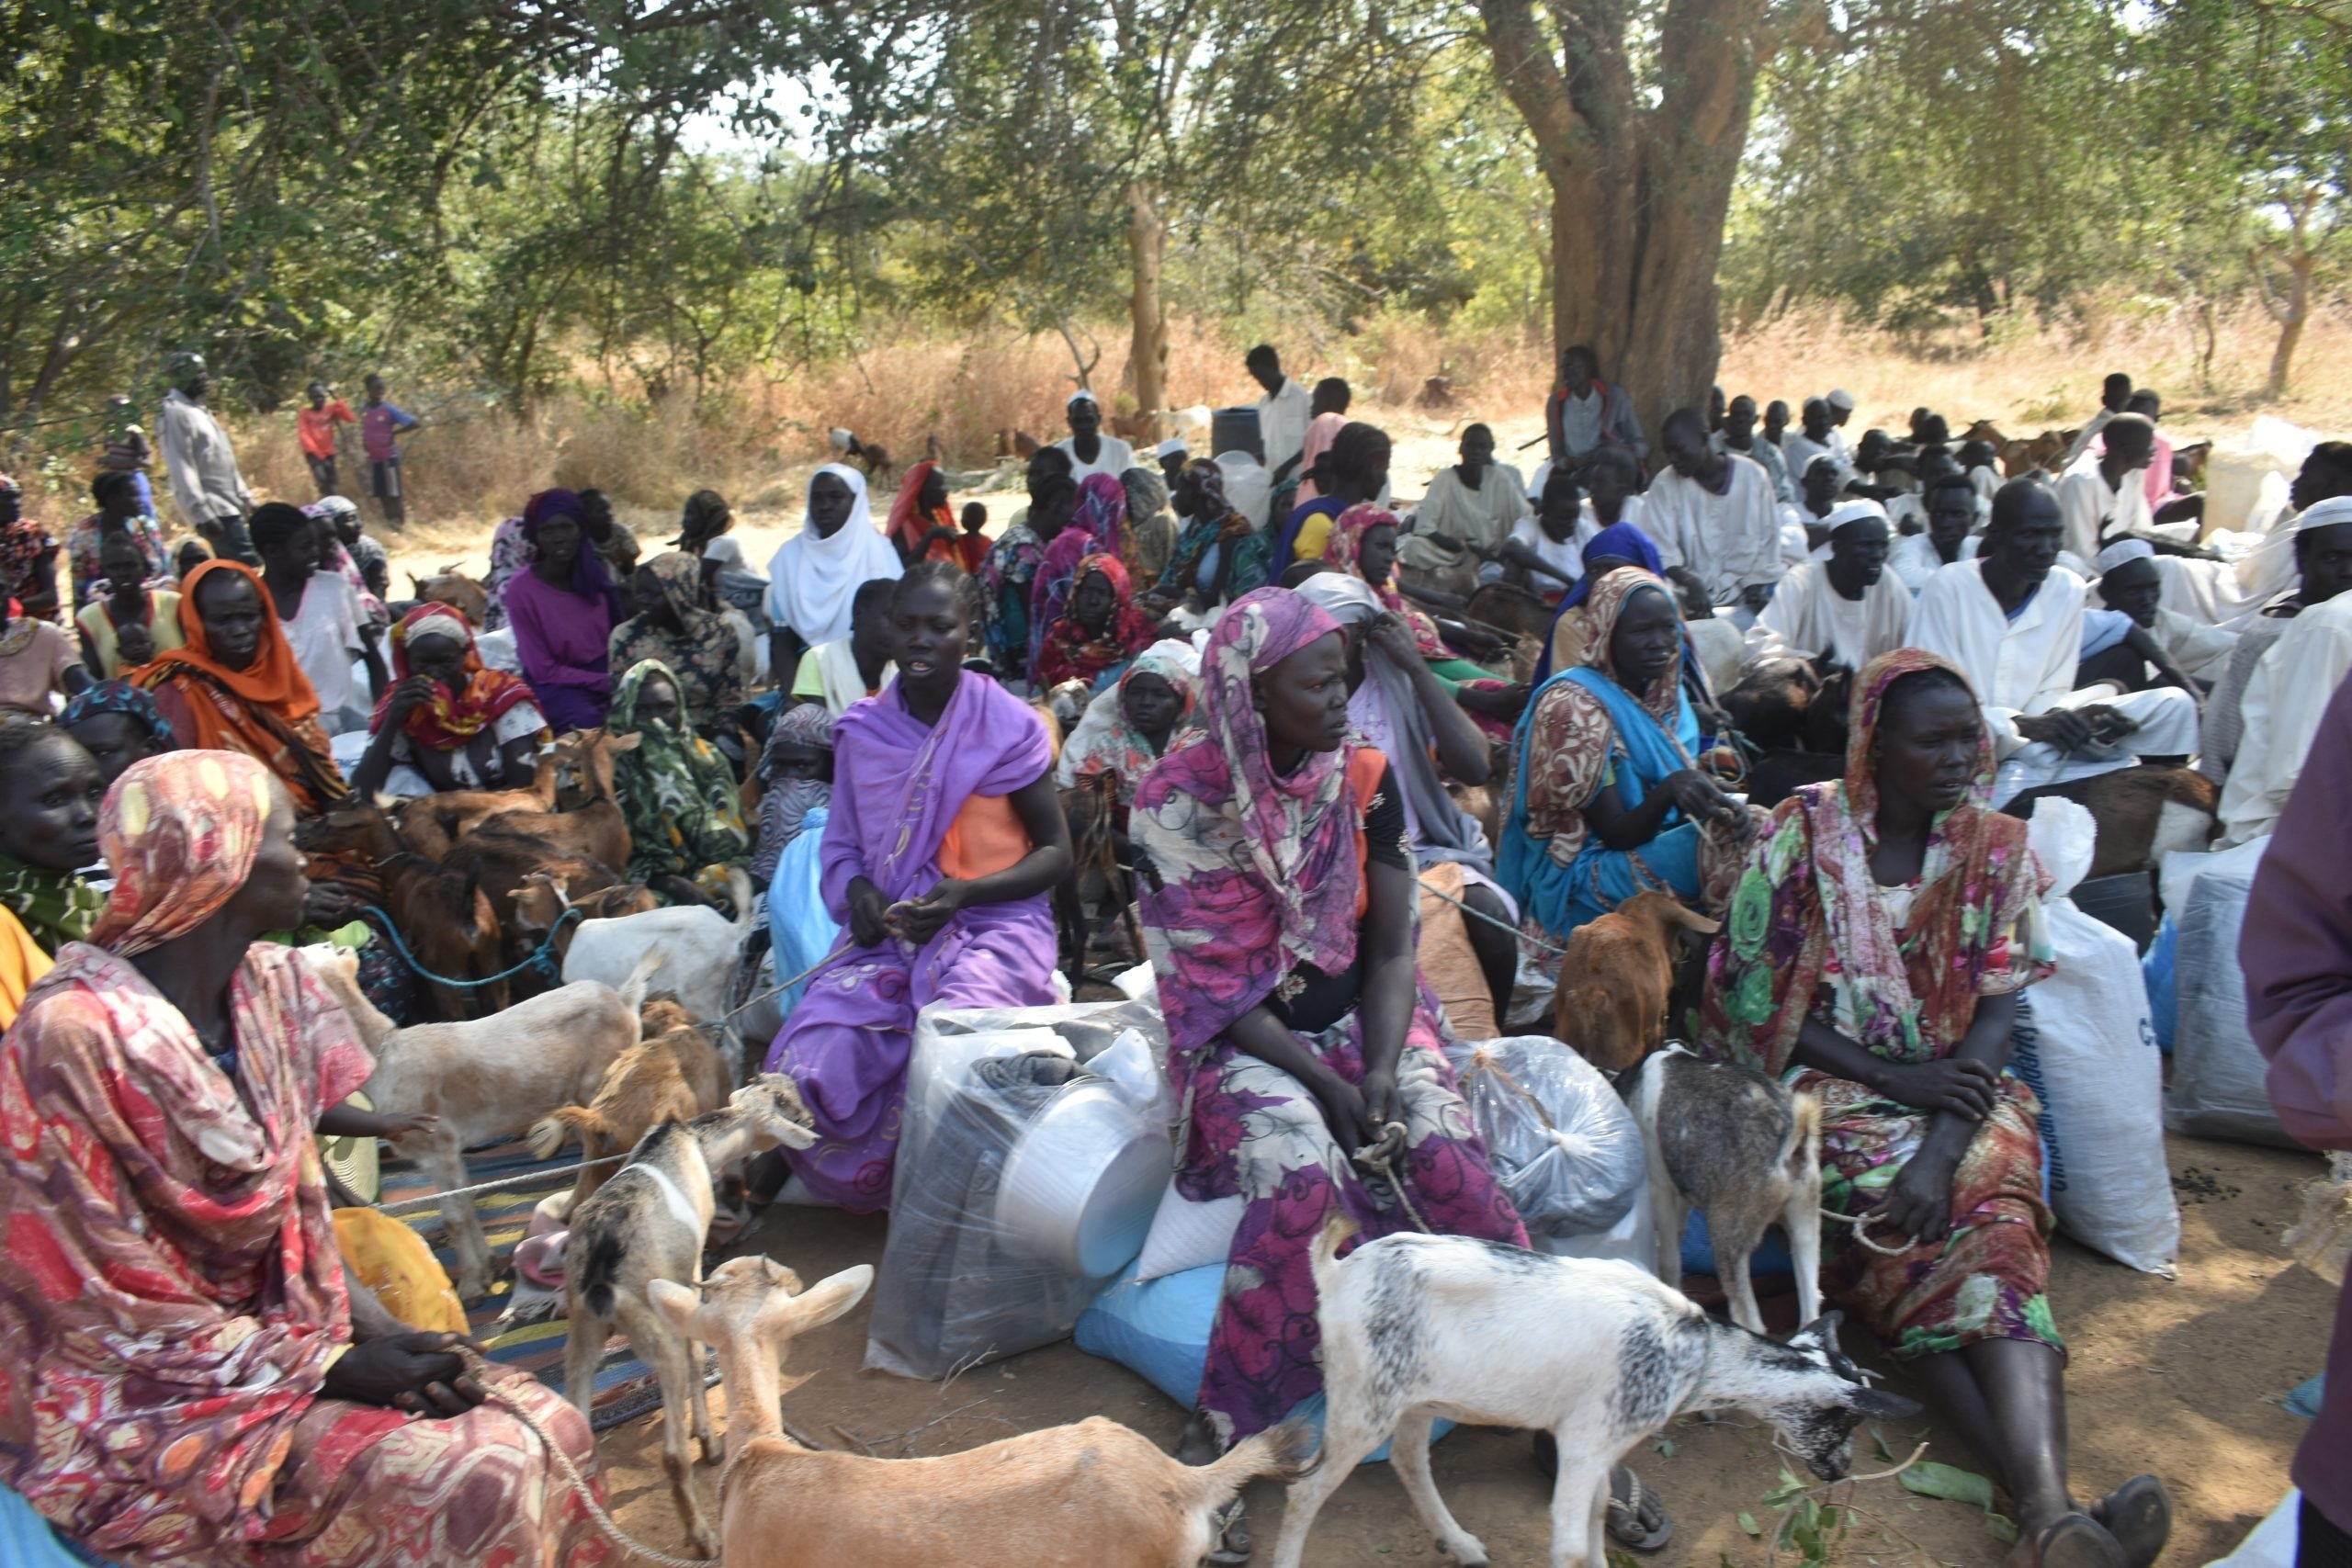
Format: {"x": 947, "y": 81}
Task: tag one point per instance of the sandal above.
{"x": 1638, "y": 1518}
{"x": 2076, "y": 1540}
{"x": 1233, "y": 1543}
{"x": 2138, "y": 1514}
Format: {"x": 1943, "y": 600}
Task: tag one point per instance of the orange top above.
{"x": 1363, "y": 782}
{"x": 987, "y": 837}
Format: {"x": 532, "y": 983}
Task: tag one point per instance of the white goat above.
{"x": 485, "y": 1078}
{"x": 1599, "y": 1354}
{"x": 1094, "y": 1494}
{"x": 648, "y": 1224}
{"x": 701, "y": 948}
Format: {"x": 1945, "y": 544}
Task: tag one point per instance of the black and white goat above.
{"x": 1599, "y": 1354}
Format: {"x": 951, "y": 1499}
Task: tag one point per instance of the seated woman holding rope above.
{"x": 1276, "y": 876}
{"x": 199, "y": 1384}
{"x": 1874, "y": 954}
{"x": 1609, "y": 798}
{"x": 944, "y": 840}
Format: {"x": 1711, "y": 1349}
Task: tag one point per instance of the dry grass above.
{"x": 759, "y": 442}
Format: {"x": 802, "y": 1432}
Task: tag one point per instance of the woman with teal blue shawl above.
{"x": 1609, "y": 800}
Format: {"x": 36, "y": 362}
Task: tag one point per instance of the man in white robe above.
{"x": 2101, "y": 496}
{"x": 2012, "y": 621}
{"x": 1091, "y": 451}
{"x": 1845, "y": 611}
{"x": 2115, "y": 396}
{"x": 1712, "y": 518}
{"x": 1952, "y": 514}
{"x": 2286, "y": 696}
{"x": 1800, "y": 447}
{"x": 1283, "y": 413}
{"x": 2130, "y": 582}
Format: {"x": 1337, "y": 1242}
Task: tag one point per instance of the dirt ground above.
{"x": 2184, "y": 1378}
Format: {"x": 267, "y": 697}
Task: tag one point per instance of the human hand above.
{"x": 328, "y": 906}
{"x": 1919, "y": 1201}
{"x": 1382, "y": 1105}
{"x": 410, "y": 694}
{"x": 1390, "y": 634}
{"x": 2064, "y": 727}
{"x": 1343, "y": 1112}
{"x": 414, "y": 1121}
{"x": 417, "y": 1372}
{"x": 1696, "y": 795}
{"x": 925, "y": 918}
{"x": 1966, "y": 1088}
{"x": 867, "y": 911}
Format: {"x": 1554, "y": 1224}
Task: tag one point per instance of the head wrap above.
{"x": 1840, "y": 399}
{"x": 1346, "y": 599}
{"x": 2124, "y": 550}
{"x": 117, "y": 697}
{"x": 1609, "y": 599}
{"x": 1816, "y": 461}
{"x": 1344, "y": 549}
{"x": 453, "y": 718}
{"x": 1857, "y": 510}
{"x": 811, "y": 580}
{"x": 590, "y": 578}
{"x": 181, "y": 832}
{"x": 1105, "y": 742}
{"x": 333, "y": 508}
{"x": 705, "y": 517}
{"x": 786, "y": 805}
{"x": 2325, "y": 513}
{"x": 1295, "y": 839}
{"x": 1073, "y": 652}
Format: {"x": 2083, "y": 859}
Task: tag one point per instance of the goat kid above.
{"x": 673, "y": 1073}
{"x": 1617, "y": 979}
{"x": 1093, "y": 1494}
{"x": 702, "y": 948}
{"x": 646, "y": 1224}
{"x": 541, "y": 901}
{"x": 1599, "y": 1354}
{"x": 1742, "y": 1150}
{"x": 487, "y": 1078}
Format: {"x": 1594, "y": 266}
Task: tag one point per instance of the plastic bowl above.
{"x": 1081, "y": 1184}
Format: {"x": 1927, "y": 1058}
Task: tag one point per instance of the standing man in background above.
{"x": 1283, "y": 413}
{"x": 379, "y": 429}
{"x": 206, "y": 484}
{"x": 314, "y": 427}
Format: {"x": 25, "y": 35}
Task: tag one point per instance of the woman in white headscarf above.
{"x": 815, "y": 573}
{"x": 1397, "y": 705}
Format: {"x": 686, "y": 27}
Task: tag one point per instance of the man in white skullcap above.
{"x": 1840, "y": 404}
{"x": 1171, "y": 455}
{"x": 2129, "y": 587}
{"x": 2315, "y": 547}
{"x": 1844, "y": 611}
{"x": 2288, "y": 691}
{"x": 2012, "y": 620}
{"x": 1091, "y": 451}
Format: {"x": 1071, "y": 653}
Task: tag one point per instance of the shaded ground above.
{"x": 2184, "y": 1378}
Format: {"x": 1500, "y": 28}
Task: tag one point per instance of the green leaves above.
{"x": 1954, "y": 1484}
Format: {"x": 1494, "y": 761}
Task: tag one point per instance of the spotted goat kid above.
{"x": 1599, "y": 1354}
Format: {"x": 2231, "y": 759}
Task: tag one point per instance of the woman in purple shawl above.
{"x": 944, "y": 837}
{"x": 1300, "y": 1032}
{"x": 563, "y": 608}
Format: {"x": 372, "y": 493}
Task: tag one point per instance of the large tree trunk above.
{"x": 1148, "y": 344}
{"x": 1641, "y": 175}
{"x": 2291, "y": 313}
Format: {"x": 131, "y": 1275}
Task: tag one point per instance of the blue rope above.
{"x": 543, "y": 960}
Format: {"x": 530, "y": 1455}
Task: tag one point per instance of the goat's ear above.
{"x": 821, "y": 1302}
{"x": 1692, "y": 920}
{"x": 1882, "y": 1404}
{"x": 386, "y": 802}
{"x": 676, "y": 1303}
{"x": 627, "y": 742}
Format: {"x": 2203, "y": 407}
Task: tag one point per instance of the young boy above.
{"x": 314, "y": 428}
{"x": 972, "y": 546}
{"x": 380, "y": 428}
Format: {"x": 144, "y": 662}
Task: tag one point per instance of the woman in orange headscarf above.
{"x": 920, "y": 524}
{"x": 236, "y": 687}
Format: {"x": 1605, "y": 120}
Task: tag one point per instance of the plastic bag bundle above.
{"x": 2220, "y": 1080}
{"x": 1563, "y": 1144}
{"x": 957, "y": 1286}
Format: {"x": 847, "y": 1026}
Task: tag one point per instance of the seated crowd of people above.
{"x": 1232, "y": 714}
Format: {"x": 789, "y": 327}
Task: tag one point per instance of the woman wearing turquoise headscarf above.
{"x": 677, "y": 794}
{"x": 1609, "y": 800}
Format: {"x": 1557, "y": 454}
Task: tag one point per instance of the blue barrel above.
{"x": 1236, "y": 430}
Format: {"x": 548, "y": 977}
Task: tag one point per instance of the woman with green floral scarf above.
{"x": 49, "y": 832}
{"x": 677, "y": 794}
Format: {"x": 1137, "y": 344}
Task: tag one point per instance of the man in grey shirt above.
{"x": 202, "y": 466}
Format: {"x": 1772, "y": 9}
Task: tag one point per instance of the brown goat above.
{"x": 2141, "y": 812}
{"x": 540, "y": 901}
{"x": 673, "y": 1073}
{"x": 1617, "y": 978}
{"x": 441, "y": 913}
{"x": 453, "y": 588}
{"x": 595, "y": 828}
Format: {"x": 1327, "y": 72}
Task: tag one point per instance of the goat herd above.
{"x": 480, "y": 886}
